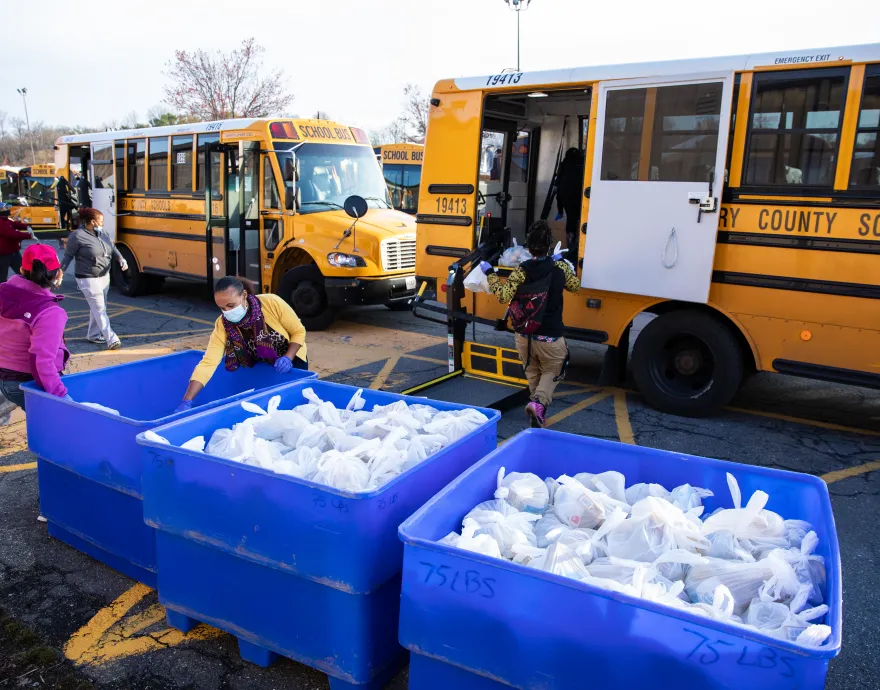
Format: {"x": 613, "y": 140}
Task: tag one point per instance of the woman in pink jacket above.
{"x": 32, "y": 327}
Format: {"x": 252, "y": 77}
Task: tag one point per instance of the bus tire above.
{"x": 303, "y": 289}
{"x": 687, "y": 363}
{"x": 131, "y": 283}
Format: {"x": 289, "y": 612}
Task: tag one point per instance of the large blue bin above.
{"x": 478, "y": 623}
{"x": 288, "y": 566}
{"x": 89, "y": 463}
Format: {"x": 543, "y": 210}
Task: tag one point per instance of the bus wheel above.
{"x": 687, "y": 363}
{"x": 131, "y": 283}
{"x": 303, "y": 288}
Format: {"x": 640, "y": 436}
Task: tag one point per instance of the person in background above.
{"x": 65, "y": 203}
{"x": 11, "y": 234}
{"x": 84, "y": 192}
{"x": 252, "y": 329}
{"x": 32, "y": 327}
{"x": 569, "y": 197}
{"x": 94, "y": 252}
{"x": 544, "y": 353}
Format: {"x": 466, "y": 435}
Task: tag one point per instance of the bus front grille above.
{"x": 398, "y": 255}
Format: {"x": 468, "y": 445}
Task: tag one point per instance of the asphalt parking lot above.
{"x": 67, "y": 621}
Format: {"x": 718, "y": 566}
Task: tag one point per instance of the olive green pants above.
{"x": 545, "y": 364}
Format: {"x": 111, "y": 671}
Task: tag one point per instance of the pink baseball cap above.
{"x": 40, "y": 252}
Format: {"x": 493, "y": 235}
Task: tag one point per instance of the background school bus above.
{"x": 737, "y": 199}
{"x": 264, "y": 199}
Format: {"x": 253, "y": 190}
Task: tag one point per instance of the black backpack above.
{"x": 528, "y": 305}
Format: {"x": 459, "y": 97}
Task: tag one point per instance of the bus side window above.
{"x": 794, "y": 128}
{"x": 865, "y": 170}
{"x": 271, "y": 198}
{"x": 203, "y": 141}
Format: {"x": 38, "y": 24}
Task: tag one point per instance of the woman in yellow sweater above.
{"x": 253, "y": 328}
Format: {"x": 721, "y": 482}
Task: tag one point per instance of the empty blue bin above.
{"x": 288, "y": 566}
{"x": 89, "y": 463}
{"x": 479, "y": 623}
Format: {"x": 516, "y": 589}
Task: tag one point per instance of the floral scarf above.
{"x": 263, "y": 345}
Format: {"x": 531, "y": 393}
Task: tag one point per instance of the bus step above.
{"x": 478, "y": 392}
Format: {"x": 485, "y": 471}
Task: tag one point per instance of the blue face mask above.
{"x": 235, "y": 315}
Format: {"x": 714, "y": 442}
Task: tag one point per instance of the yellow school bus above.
{"x": 402, "y": 169}
{"x": 35, "y": 200}
{"x": 734, "y": 199}
{"x": 273, "y": 200}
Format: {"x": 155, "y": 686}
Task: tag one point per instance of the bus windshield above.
{"x": 38, "y": 191}
{"x": 330, "y": 173}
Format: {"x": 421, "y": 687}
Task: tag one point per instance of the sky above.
{"x": 87, "y": 63}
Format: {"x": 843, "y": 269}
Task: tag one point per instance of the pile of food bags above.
{"x": 745, "y": 565}
{"x": 351, "y": 449}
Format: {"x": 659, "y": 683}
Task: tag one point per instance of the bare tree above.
{"x": 415, "y": 113}
{"x": 393, "y": 133}
{"x": 3, "y": 116}
{"x": 322, "y": 115}
{"x": 216, "y": 86}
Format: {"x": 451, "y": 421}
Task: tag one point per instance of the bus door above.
{"x": 249, "y": 211}
{"x": 657, "y": 178}
{"x": 217, "y": 239}
{"x": 273, "y": 204}
{"x": 103, "y": 175}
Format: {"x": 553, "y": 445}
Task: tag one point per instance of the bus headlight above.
{"x": 346, "y": 260}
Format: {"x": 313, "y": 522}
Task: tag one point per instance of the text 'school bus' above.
{"x": 31, "y": 192}
{"x": 262, "y": 198}
{"x": 735, "y": 198}
{"x": 402, "y": 169}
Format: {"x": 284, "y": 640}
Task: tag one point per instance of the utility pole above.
{"x": 517, "y": 6}
{"x": 23, "y": 92}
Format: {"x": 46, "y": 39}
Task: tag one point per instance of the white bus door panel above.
{"x": 655, "y": 196}
{"x": 103, "y": 186}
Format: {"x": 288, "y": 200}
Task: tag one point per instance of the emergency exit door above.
{"x": 658, "y": 174}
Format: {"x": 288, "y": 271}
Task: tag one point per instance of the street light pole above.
{"x": 23, "y": 92}
{"x": 517, "y": 6}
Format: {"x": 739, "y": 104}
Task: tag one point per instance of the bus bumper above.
{"x": 363, "y": 291}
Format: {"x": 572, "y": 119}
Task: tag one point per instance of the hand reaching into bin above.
{"x": 184, "y": 406}
{"x": 283, "y": 365}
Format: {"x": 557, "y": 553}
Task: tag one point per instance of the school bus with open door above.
{"x": 34, "y": 202}
{"x": 735, "y": 199}
{"x": 402, "y": 169}
{"x": 267, "y": 199}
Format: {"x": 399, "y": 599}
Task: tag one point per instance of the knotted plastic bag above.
{"x": 514, "y": 256}
{"x": 197, "y": 443}
{"x": 384, "y": 460}
{"x": 752, "y": 522}
{"x": 656, "y": 526}
{"x": 294, "y": 425}
{"x": 771, "y": 579}
{"x": 609, "y": 483}
{"x": 476, "y": 281}
{"x": 232, "y": 444}
{"x": 344, "y": 471}
{"x": 688, "y": 497}
{"x": 505, "y": 524}
{"x": 814, "y": 636}
{"x": 469, "y": 540}
{"x": 578, "y": 506}
{"x": 263, "y": 454}
{"x": 306, "y": 459}
{"x": 548, "y": 529}
{"x": 560, "y": 559}
{"x": 779, "y": 621}
{"x": 456, "y": 425}
{"x": 423, "y": 413}
{"x": 809, "y": 568}
{"x": 392, "y": 416}
{"x": 267, "y": 424}
{"x": 524, "y": 491}
{"x": 637, "y": 492}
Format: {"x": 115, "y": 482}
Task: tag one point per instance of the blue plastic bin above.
{"x": 288, "y": 566}
{"x": 478, "y": 623}
{"x": 89, "y": 463}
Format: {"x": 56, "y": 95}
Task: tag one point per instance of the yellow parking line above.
{"x": 384, "y": 373}
{"x": 577, "y": 407}
{"x": 17, "y": 468}
{"x": 90, "y": 634}
{"x": 801, "y": 420}
{"x": 621, "y": 416}
{"x": 430, "y": 360}
{"x": 152, "y": 335}
{"x": 837, "y": 475}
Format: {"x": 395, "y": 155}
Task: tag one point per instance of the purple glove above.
{"x": 184, "y": 406}
{"x": 558, "y": 216}
{"x": 283, "y": 365}
{"x": 485, "y": 266}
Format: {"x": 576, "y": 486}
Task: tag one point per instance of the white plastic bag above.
{"x": 752, "y": 522}
{"x": 232, "y": 444}
{"x": 524, "y": 491}
{"x": 476, "y": 281}
{"x": 456, "y": 425}
{"x": 609, "y": 483}
{"x": 809, "y": 569}
{"x": 471, "y": 541}
{"x": 305, "y": 459}
{"x": 155, "y": 438}
{"x": 688, "y": 497}
{"x": 560, "y": 559}
{"x": 103, "y": 408}
{"x": 578, "y": 506}
{"x": 505, "y": 524}
{"x": 548, "y": 529}
{"x": 423, "y": 413}
{"x": 344, "y": 471}
{"x": 779, "y": 621}
{"x": 637, "y": 492}
{"x": 771, "y": 579}
{"x": 514, "y": 256}
{"x": 814, "y": 636}
{"x": 197, "y": 443}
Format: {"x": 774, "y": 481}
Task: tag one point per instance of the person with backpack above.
{"x": 534, "y": 292}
